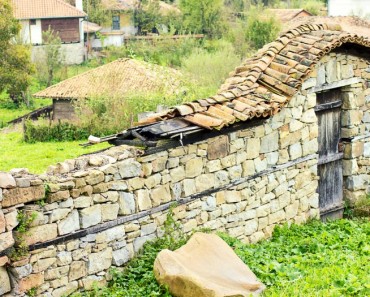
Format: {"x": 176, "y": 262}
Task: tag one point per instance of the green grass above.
{"x": 317, "y": 259}
{"x": 37, "y": 156}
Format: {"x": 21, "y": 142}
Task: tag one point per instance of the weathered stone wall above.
{"x": 97, "y": 211}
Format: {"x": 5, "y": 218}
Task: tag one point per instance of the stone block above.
{"x": 143, "y": 200}
{"x": 159, "y": 164}
{"x": 350, "y": 167}
{"x": 135, "y": 183}
{"x": 232, "y": 196}
{"x": 42, "y": 264}
{"x": 248, "y": 168}
{"x": 251, "y": 226}
{"x": 21, "y": 271}
{"x": 177, "y": 174}
{"x": 77, "y": 270}
{"x": 204, "y": 182}
{"x": 115, "y": 233}
{"x": 253, "y": 148}
{"x": 160, "y": 194}
{"x": 354, "y": 150}
{"x": 309, "y": 116}
{"x": 22, "y": 195}
{"x": 260, "y": 164}
{"x": 235, "y": 172}
{"x": 277, "y": 217}
{"x": 129, "y": 168}
{"x": 351, "y": 117}
{"x": 5, "y": 281}
{"x": 100, "y": 261}
{"x": 331, "y": 71}
{"x": 41, "y": 233}
{"x": 228, "y": 161}
{"x": 29, "y": 282}
{"x": 295, "y": 151}
{"x": 59, "y": 214}
{"x": 58, "y": 196}
{"x": 109, "y": 211}
{"x": 82, "y": 202}
{"x": 310, "y": 147}
{"x": 153, "y": 181}
{"x": 66, "y": 290}
{"x": 193, "y": 167}
{"x": 7, "y": 181}
{"x": 93, "y": 281}
{"x": 269, "y": 143}
{"x": 190, "y": 225}
{"x": 218, "y": 148}
{"x": 95, "y": 177}
{"x": 121, "y": 256}
{"x": 126, "y": 203}
{"x": 90, "y": 216}
{"x": 70, "y": 224}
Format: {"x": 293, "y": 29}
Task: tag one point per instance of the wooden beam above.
{"x": 330, "y": 158}
{"x": 330, "y": 105}
{"x": 334, "y": 85}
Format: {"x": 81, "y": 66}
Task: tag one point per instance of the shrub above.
{"x": 262, "y": 28}
{"x": 43, "y": 131}
{"x": 210, "y": 68}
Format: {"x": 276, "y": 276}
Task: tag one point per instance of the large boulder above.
{"x": 205, "y": 267}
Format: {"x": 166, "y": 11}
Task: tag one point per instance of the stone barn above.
{"x": 286, "y": 139}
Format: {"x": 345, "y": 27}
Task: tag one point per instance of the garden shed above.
{"x": 286, "y": 139}
{"x": 116, "y": 79}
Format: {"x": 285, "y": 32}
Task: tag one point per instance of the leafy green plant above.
{"x": 20, "y": 250}
{"x": 262, "y": 28}
{"x": 316, "y": 259}
{"x": 32, "y": 292}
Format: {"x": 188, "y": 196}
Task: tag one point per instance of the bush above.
{"x": 262, "y": 28}
{"x": 211, "y": 68}
{"x": 43, "y": 131}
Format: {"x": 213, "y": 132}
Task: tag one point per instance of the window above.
{"x": 32, "y": 22}
{"x": 116, "y": 22}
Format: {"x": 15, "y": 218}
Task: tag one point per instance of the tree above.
{"x": 203, "y": 16}
{"x": 96, "y": 12}
{"x": 54, "y": 57}
{"x": 15, "y": 62}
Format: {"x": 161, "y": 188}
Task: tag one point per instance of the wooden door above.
{"x": 328, "y": 110}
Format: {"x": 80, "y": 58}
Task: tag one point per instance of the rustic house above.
{"x": 286, "y": 139}
{"x": 37, "y": 16}
{"x": 118, "y": 78}
{"x": 287, "y": 15}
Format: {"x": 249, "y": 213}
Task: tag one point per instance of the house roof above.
{"x": 285, "y": 15}
{"x": 44, "y": 9}
{"x": 117, "y": 78}
{"x": 90, "y": 27}
{"x": 260, "y": 87}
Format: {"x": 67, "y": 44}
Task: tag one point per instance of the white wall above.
{"x": 360, "y": 8}
{"x": 31, "y": 33}
{"x": 74, "y": 53}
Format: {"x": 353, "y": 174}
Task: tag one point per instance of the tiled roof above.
{"x": 44, "y": 9}
{"x": 117, "y": 78}
{"x": 90, "y": 27}
{"x": 120, "y": 4}
{"x": 285, "y": 15}
{"x": 263, "y": 84}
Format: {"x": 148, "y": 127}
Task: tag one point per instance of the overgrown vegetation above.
{"x": 316, "y": 259}
{"x": 20, "y": 249}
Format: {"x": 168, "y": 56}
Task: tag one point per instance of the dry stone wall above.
{"x": 97, "y": 211}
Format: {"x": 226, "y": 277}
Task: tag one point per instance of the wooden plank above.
{"x": 67, "y": 28}
{"x": 334, "y": 85}
{"x": 330, "y": 158}
{"x": 330, "y": 105}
